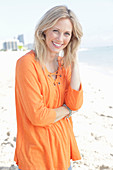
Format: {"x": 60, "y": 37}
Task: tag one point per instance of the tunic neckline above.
{"x": 50, "y": 76}
{"x": 57, "y": 73}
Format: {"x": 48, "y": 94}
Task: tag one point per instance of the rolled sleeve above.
{"x": 73, "y": 98}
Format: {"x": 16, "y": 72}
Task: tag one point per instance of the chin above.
{"x": 55, "y": 51}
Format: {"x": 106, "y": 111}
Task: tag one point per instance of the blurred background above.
{"x": 21, "y": 17}
{"x": 93, "y": 123}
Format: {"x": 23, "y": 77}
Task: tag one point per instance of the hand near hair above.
{"x": 75, "y": 75}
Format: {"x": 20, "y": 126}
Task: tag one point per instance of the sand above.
{"x": 93, "y": 123}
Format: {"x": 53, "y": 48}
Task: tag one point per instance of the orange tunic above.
{"x": 42, "y": 144}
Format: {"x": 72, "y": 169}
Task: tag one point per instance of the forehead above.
{"x": 64, "y": 24}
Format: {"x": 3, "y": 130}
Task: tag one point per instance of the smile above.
{"x": 57, "y": 45}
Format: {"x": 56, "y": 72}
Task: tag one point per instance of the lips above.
{"x": 57, "y": 45}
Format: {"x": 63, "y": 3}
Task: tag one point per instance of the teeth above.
{"x": 58, "y": 45}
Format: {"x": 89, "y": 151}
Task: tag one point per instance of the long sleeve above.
{"x": 38, "y": 137}
{"x": 28, "y": 94}
{"x": 73, "y": 98}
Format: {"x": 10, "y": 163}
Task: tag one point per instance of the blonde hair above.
{"x": 49, "y": 20}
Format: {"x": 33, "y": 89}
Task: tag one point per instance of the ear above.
{"x": 44, "y": 33}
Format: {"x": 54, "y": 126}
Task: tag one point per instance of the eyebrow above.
{"x": 59, "y": 29}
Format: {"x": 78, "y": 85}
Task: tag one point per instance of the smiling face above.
{"x": 58, "y": 36}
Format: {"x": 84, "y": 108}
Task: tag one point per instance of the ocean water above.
{"x": 99, "y": 57}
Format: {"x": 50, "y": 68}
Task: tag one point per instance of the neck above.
{"x": 51, "y": 57}
{"x": 52, "y": 63}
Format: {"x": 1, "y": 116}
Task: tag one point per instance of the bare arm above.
{"x": 75, "y": 76}
{"x": 61, "y": 112}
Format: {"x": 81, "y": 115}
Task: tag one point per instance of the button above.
{"x": 60, "y": 75}
{"x": 58, "y": 82}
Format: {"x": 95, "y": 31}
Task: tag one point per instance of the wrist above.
{"x": 70, "y": 111}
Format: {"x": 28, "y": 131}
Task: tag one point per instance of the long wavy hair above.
{"x": 49, "y": 19}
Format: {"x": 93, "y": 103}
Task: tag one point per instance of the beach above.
{"x": 92, "y": 124}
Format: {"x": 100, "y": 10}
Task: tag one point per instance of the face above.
{"x": 58, "y": 37}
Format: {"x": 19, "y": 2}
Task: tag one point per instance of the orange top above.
{"x": 42, "y": 144}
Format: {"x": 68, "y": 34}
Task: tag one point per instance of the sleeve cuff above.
{"x": 74, "y": 98}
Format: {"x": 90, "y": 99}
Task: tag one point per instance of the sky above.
{"x": 21, "y": 16}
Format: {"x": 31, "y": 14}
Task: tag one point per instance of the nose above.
{"x": 60, "y": 37}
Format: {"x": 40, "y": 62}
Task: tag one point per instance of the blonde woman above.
{"x": 47, "y": 89}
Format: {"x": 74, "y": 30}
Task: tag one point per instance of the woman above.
{"x": 47, "y": 88}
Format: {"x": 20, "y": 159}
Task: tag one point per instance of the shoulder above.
{"x": 28, "y": 57}
{"x": 27, "y": 61}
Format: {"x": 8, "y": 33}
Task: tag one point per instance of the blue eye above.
{"x": 67, "y": 33}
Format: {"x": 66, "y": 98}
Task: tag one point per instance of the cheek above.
{"x": 50, "y": 37}
{"x": 67, "y": 41}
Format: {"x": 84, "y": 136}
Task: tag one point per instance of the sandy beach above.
{"x": 93, "y": 123}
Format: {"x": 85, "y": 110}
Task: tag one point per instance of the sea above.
{"x": 99, "y": 57}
